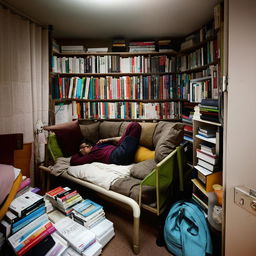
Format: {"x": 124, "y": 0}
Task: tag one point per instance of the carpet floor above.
{"x": 121, "y": 244}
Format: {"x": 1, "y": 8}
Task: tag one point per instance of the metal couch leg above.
{"x": 136, "y": 242}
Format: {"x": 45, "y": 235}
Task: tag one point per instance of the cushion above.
{"x": 109, "y": 129}
{"x": 143, "y": 154}
{"x": 166, "y": 138}
{"x": 69, "y": 136}
{"x": 90, "y": 131}
{"x": 147, "y": 132}
{"x": 142, "y": 169}
{"x": 54, "y": 147}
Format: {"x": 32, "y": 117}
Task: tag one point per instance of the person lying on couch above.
{"x": 118, "y": 150}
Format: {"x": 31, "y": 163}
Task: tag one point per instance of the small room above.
{"x": 79, "y": 72}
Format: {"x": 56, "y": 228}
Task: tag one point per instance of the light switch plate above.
{"x": 245, "y": 198}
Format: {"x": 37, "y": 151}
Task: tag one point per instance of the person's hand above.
{"x": 102, "y": 141}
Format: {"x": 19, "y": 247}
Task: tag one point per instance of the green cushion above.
{"x": 54, "y": 147}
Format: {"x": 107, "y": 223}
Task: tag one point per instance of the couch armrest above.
{"x": 162, "y": 178}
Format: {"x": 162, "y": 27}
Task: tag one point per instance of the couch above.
{"x": 154, "y": 176}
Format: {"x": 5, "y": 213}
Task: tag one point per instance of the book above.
{"x": 102, "y": 228}
{"x": 87, "y": 207}
{"x": 41, "y": 248}
{"x": 206, "y": 165}
{"x": 60, "y": 245}
{"x": 207, "y": 147}
{"x": 78, "y": 236}
{"x": 54, "y": 192}
{"x": 27, "y": 219}
{"x": 206, "y": 157}
{"x": 94, "y": 250}
{"x": 23, "y": 240}
{"x": 56, "y": 216}
{"x": 24, "y": 203}
{"x": 97, "y": 49}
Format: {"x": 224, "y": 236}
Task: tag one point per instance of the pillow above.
{"x": 90, "y": 131}
{"x": 142, "y": 169}
{"x": 68, "y": 135}
{"x": 166, "y": 138}
{"x": 147, "y": 132}
{"x": 109, "y": 129}
{"x": 143, "y": 154}
{"x": 54, "y": 147}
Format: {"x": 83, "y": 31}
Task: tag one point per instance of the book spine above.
{"x": 36, "y": 240}
{"x": 67, "y": 196}
{"x": 26, "y": 221}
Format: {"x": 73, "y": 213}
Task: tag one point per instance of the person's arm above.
{"x": 79, "y": 159}
{"x": 114, "y": 140}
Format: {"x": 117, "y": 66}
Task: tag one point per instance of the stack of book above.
{"x": 88, "y": 213}
{"x": 209, "y": 110}
{"x": 35, "y": 238}
{"x": 97, "y": 49}
{"x": 64, "y": 199}
{"x": 207, "y": 160}
{"x": 24, "y": 186}
{"x": 92, "y": 216}
{"x": 119, "y": 45}
{"x": 188, "y": 133}
{"x": 72, "y": 49}
{"x": 144, "y": 46}
{"x": 165, "y": 46}
{"x": 23, "y": 210}
{"x": 77, "y": 236}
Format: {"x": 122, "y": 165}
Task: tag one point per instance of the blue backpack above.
{"x": 186, "y": 230}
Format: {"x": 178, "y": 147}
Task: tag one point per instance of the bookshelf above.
{"x": 116, "y": 85}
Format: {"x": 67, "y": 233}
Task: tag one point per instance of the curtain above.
{"x": 24, "y": 75}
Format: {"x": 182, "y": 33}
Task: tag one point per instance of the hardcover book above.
{"x": 24, "y": 203}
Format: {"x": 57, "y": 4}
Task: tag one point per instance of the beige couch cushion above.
{"x": 166, "y": 138}
{"x": 90, "y": 131}
{"x": 142, "y": 169}
{"x": 147, "y": 132}
{"x": 108, "y": 129}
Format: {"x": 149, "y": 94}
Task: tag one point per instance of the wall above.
{"x": 241, "y": 137}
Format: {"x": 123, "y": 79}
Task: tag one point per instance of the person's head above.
{"x": 85, "y": 147}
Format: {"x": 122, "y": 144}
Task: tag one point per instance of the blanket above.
{"x": 100, "y": 174}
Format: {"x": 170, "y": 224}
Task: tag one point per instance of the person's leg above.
{"x": 133, "y": 129}
{"x": 127, "y": 146}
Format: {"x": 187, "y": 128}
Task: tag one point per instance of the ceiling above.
{"x": 106, "y": 19}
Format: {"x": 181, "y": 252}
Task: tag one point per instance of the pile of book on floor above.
{"x": 142, "y": 46}
{"x": 86, "y": 229}
{"x": 29, "y": 226}
{"x": 64, "y": 199}
{"x": 209, "y": 110}
{"x": 92, "y": 216}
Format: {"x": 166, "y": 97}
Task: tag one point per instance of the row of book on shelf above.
{"x": 113, "y": 64}
{"x": 203, "y": 56}
{"x": 118, "y": 45}
{"x": 117, "y": 110}
{"x": 60, "y": 223}
{"x": 125, "y": 87}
